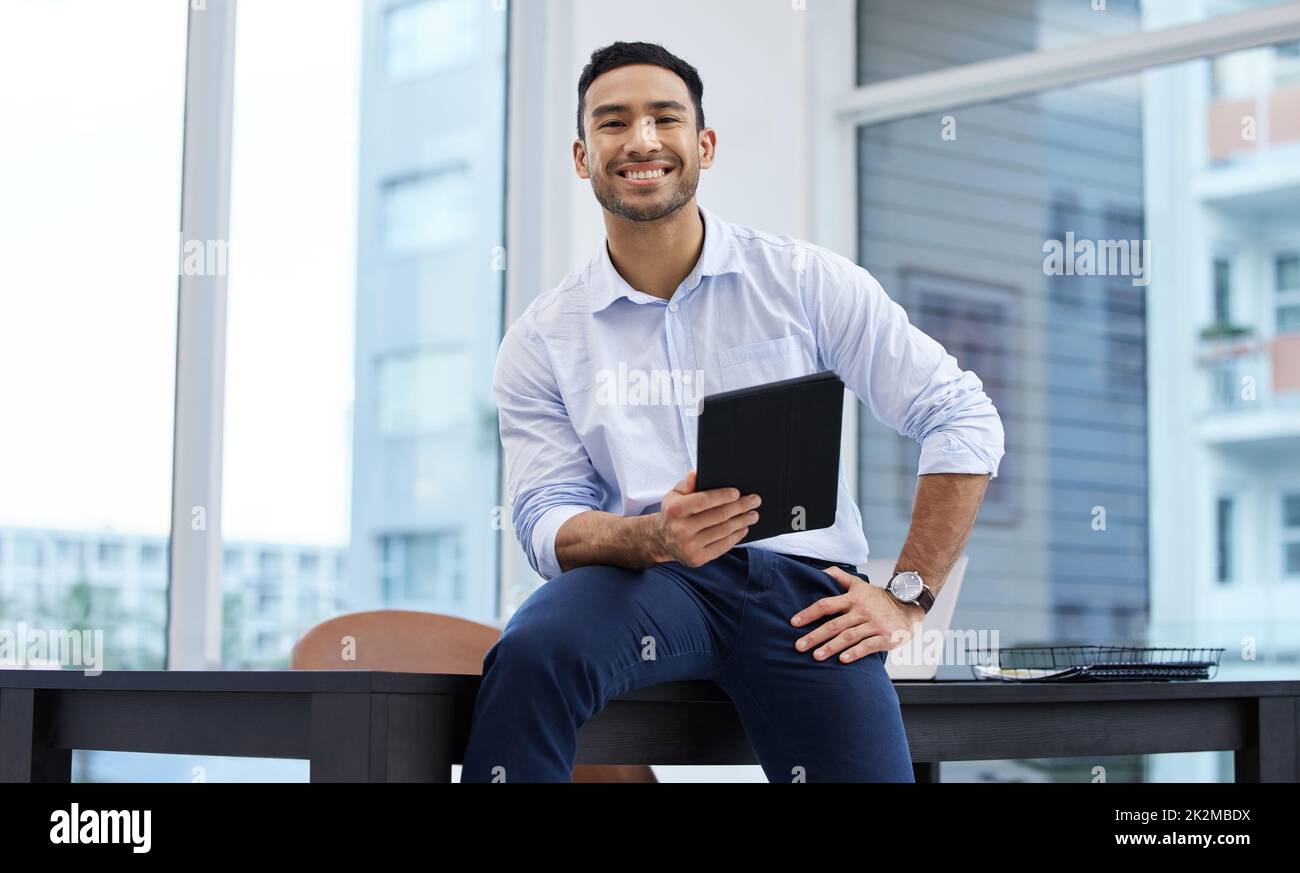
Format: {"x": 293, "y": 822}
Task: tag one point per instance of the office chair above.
{"x": 406, "y": 641}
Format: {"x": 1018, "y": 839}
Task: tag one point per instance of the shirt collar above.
{"x": 718, "y": 256}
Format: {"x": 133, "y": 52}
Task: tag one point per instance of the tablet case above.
{"x": 780, "y": 441}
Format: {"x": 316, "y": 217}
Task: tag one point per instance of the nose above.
{"x": 645, "y": 136}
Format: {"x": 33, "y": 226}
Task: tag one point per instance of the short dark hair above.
{"x": 623, "y": 54}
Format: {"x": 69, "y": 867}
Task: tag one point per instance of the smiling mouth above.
{"x": 645, "y": 175}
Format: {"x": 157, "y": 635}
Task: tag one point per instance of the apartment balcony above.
{"x": 1254, "y": 389}
{"x": 1253, "y": 154}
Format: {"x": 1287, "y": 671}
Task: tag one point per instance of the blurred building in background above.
{"x": 430, "y": 262}
{"x": 1223, "y": 187}
{"x": 1151, "y": 489}
{"x": 954, "y": 211}
{"x": 272, "y": 593}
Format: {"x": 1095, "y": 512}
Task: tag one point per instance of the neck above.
{"x": 655, "y": 256}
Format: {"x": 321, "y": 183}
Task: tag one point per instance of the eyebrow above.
{"x": 620, "y": 108}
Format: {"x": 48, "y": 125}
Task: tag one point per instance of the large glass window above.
{"x": 91, "y": 117}
{"x": 364, "y": 314}
{"x": 956, "y": 212}
{"x": 1057, "y": 244}
{"x": 353, "y": 241}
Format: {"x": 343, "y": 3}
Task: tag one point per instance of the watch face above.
{"x": 906, "y": 586}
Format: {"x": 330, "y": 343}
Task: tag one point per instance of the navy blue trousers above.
{"x": 594, "y": 633}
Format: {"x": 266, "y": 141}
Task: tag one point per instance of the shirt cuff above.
{"x": 544, "y": 531}
{"x": 943, "y": 452}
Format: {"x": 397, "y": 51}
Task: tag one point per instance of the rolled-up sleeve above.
{"x": 906, "y": 378}
{"x": 549, "y": 477}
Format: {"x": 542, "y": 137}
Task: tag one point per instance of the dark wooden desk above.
{"x": 360, "y": 725}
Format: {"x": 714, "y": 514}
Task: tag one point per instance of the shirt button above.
{"x": 672, "y": 307}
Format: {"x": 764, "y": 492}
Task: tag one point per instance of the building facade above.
{"x": 430, "y": 262}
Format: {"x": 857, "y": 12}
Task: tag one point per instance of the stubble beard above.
{"x": 628, "y": 208}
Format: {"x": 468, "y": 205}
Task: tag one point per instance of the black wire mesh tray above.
{"x": 1095, "y": 664}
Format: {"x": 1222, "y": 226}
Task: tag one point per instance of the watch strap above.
{"x": 925, "y": 598}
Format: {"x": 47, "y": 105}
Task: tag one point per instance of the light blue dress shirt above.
{"x": 598, "y": 384}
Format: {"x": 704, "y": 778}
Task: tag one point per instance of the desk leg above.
{"x": 441, "y": 737}
{"x": 421, "y": 737}
{"x": 347, "y": 743}
{"x": 1274, "y": 751}
{"x": 926, "y": 771}
{"x": 24, "y": 754}
{"x": 381, "y": 737}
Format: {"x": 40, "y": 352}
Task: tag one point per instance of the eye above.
{"x": 669, "y": 119}
{"x": 608, "y": 123}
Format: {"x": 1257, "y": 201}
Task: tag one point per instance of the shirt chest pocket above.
{"x": 760, "y": 362}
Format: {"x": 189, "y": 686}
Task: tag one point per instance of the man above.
{"x": 646, "y": 583}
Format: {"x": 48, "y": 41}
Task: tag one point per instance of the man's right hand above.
{"x": 694, "y": 527}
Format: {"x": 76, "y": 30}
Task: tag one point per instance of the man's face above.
{"x": 643, "y": 153}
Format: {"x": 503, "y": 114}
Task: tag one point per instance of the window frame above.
{"x": 1282, "y": 298}
{"x": 1232, "y": 545}
{"x": 1288, "y": 535}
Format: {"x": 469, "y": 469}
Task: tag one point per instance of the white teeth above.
{"x": 644, "y": 174}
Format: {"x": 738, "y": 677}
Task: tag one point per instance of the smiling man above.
{"x": 645, "y": 580}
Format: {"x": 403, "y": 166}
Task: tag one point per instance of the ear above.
{"x": 580, "y": 164}
{"x": 708, "y": 147}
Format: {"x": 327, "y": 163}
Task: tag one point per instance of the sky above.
{"x": 90, "y": 151}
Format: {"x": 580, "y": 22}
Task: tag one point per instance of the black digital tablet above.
{"x": 780, "y": 441}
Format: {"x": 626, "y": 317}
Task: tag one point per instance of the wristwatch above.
{"x": 907, "y": 587}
